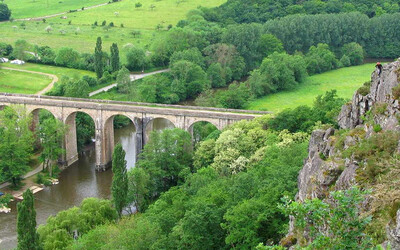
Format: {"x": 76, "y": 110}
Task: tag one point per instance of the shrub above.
{"x": 396, "y": 92}
{"x": 379, "y": 108}
{"x": 364, "y": 90}
{"x": 377, "y": 128}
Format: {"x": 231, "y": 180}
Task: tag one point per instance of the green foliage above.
{"x": 235, "y": 97}
{"x": 303, "y": 118}
{"x": 396, "y": 92}
{"x": 320, "y": 59}
{"x": 78, "y": 89}
{"x": 51, "y": 134}
{"x": 136, "y": 59}
{"x": 354, "y": 52}
{"x": 269, "y": 44}
{"x": 119, "y": 186}
{"x": 191, "y": 55}
{"x": 365, "y": 89}
{"x": 67, "y": 57}
{"x": 5, "y": 12}
{"x": 123, "y": 80}
{"x": 167, "y": 159}
{"x": 59, "y": 230}
{"x": 138, "y": 183}
{"x": 114, "y": 63}
{"x": 5, "y": 49}
{"x": 216, "y": 75}
{"x": 5, "y": 200}
{"x": 19, "y": 50}
{"x": 16, "y": 144}
{"x": 98, "y": 59}
{"x": 189, "y": 79}
{"x": 85, "y": 129}
{"x": 26, "y": 223}
{"x": 334, "y": 225}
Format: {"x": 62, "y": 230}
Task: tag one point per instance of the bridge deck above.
{"x": 130, "y": 106}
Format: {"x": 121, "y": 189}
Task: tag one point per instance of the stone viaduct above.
{"x": 103, "y": 112}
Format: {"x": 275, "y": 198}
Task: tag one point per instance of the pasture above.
{"x": 22, "y": 82}
{"x": 79, "y": 33}
{"x": 58, "y": 71}
{"x": 345, "y": 80}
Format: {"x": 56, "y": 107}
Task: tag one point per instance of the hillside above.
{"x": 364, "y": 152}
{"x": 78, "y": 33}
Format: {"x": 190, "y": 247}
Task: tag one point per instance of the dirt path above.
{"x": 43, "y": 91}
{"x": 133, "y": 78}
{"x": 27, "y": 175}
{"x": 55, "y": 15}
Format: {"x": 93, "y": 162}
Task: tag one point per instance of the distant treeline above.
{"x": 260, "y": 11}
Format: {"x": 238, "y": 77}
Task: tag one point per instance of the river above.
{"x": 77, "y": 182}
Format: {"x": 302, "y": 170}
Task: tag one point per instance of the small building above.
{"x": 19, "y": 62}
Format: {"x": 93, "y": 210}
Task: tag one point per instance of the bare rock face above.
{"x": 319, "y": 175}
{"x": 380, "y": 93}
{"x": 393, "y": 232}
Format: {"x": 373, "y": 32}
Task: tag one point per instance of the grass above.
{"x": 22, "y": 82}
{"x": 144, "y": 19}
{"x": 37, "y": 8}
{"x": 58, "y": 71}
{"x": 345, "y": 80}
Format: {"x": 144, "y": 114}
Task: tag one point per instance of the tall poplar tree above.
{"x": 114, "y": 57}
{"x": 119, "y": 186}
{"x": 28, "y": 238}
{"x": 98, "y": 59}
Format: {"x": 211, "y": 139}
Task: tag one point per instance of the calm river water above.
{"x": 77, "y": 182}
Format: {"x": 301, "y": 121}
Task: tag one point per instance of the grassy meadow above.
{"x": 81, "y": 35}
{"x": 38, "y": 8}
{"x": 345, "y": 80}
{"x": 22, "y": 82}
{"x": 58, "y": 71}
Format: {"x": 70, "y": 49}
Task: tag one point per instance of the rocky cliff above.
{"x": 372, "y": 116}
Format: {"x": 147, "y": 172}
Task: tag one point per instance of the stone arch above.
{"x": 108, "y": 137}
{"x": 156, "y": 123}
{"x": 197, "y": 137}
{"x": 70, "y": 142}
{"x": 213, "y": 122}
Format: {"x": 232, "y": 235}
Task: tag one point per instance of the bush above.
{"x": 365, "y": 89}
{"x": 396, "y": 92}
{"x": 90, "y": 80}
{"x": 5, "y": 12}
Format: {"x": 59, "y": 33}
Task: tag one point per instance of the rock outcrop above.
{"x": 325, "y": 169}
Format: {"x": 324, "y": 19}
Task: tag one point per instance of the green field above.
{"x": 21, "y": 82}
{"x": 345, "y": 81}
{"x": 38, "y": 8}
{"x": 144, "y": 19}
{"x": 58, "y": 71}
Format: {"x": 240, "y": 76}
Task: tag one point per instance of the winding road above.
{"x": 133, "y": 78}
{"x": 43, "y": 91}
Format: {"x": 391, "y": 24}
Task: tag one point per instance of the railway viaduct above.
{"x": 103, "y": 112}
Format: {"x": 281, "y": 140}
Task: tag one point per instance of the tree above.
{"x": 123, "y": 80}
{"x": 119, "y": 186}
{"x": 67, "y": 57}
{"x": 269, "y": 44}
{"x": 354, "y": 52}
{"x": 98, "y": 59}
{"x": 48, "y": 29}
{"x": 136, "y": 59}
{"x": 46, "y": 54}
{"x": 138, "y": 183}
{"x": 320, "y": 59}
{"x": 216, "y": 75}
{"x": 114, "y": 57}
{"x": 20, "y": 49}
{"x": 79, "y": 89}
{"x": 167, "y": 158}
{"x": 334, "y": 225}
{"x": 5, "y": 12}
{"x": 51, "y": 134}
{"x": 26, "y": 223}
{"x": 5, "y": 49}
{"x": 138, "y": 5}
{"x": 16, "y": 144}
